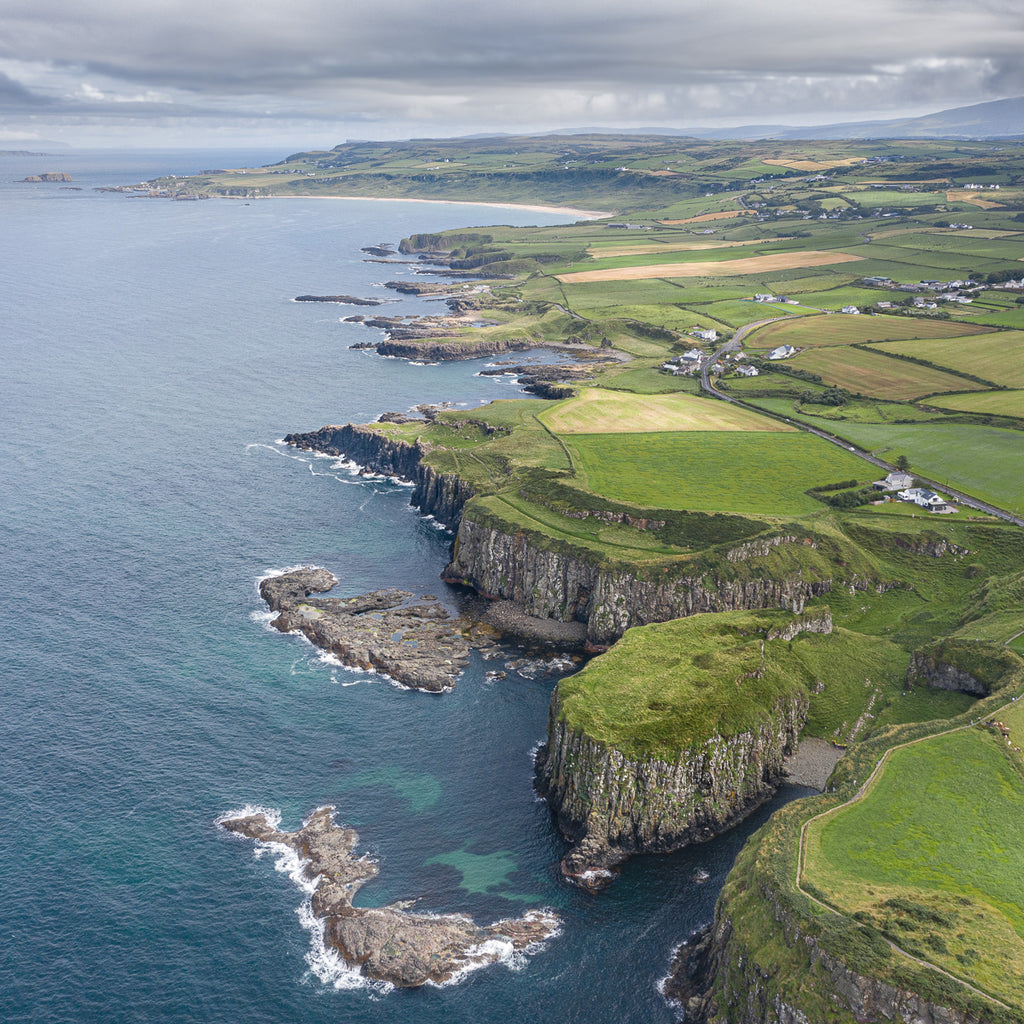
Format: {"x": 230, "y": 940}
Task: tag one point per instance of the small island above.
{"x": 388, "y": 944}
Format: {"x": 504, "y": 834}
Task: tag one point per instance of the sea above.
{"x": 153, "y": 357}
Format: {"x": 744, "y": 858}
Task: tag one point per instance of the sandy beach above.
{"x": 568, "y": 210}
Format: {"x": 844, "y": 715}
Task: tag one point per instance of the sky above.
{"x": 312, "y": 73}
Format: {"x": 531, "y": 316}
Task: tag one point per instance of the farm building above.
{"x": 895, "y": 482}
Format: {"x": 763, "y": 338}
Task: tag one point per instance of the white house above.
{"x": 849, "y": 309}
{"x": 782, "y": 352}
{"x": 747, "y": 371}
{"x": 925, "y": 498}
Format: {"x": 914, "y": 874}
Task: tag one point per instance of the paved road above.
{"x": 963, "y": 499}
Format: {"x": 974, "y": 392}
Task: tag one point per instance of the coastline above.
{"x": 537, "y": 208}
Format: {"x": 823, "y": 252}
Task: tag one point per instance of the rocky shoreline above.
{"x": 415, "y": 641}
{"x": 389, "y": 944}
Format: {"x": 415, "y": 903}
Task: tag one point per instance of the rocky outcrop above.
{"x": 446, "y": 350}
{"x": 612, "y": 806}
{"x": 551, "y": 583}
{"x": 49, "y": 176}
{"x": 389, "y": 944}
{"x": 416, "y": 642}
{"x": 441, "y": 495}
{"x": 344, "y": 300}
{"x": 942, "y": 675}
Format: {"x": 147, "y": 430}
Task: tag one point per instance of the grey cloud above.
{"x": 460, "y": 62}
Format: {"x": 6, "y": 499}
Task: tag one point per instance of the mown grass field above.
{"x": 722, "y": 268}
{"x": 951, "y": 895}
{"x": 846, "y": 330}
{"x": 983, "y": 461}
{"x": 994, "y": 403}
{"x": 876, "y": 375}
{"x": 712, "y": 471}
{"x": 998, "y": 357}
{"x": 596, "y": 411}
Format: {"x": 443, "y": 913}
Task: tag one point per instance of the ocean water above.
{"x": 152, "y": 359}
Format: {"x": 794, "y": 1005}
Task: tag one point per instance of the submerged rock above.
{"x": 418, "y": 643}
{"x": 388, "y": 943}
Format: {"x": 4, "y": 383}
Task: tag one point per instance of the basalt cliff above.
{"x": 613, "y": 806}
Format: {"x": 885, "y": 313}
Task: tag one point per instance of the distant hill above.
{"x": 994, "y": 120}
{"x": 997, "y": 119}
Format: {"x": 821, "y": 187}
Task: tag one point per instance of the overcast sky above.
{"x": 306, "y": 73}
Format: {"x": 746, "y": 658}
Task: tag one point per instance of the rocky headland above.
{"x": 415, "y": 641}
{"x": 389, "y": 944}
{"x": 612, "y": 806}
{"x": 342, "y": 300}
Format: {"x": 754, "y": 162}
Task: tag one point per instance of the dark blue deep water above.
{"x": 152, "y": 358}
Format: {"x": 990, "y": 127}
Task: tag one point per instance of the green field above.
{"x": 744, "y": 472}
{"x": 997, "y": 357}
{"x": 983, "y": 461}
{"x": 991, "y": 403}
{"x": 597, "y": 411}
{"x": 953, "y": 896}
{"x": 845, "y": 330}
{"x": 867, "y": 373}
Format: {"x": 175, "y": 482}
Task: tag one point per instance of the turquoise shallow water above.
{"x": 152, "y": 357}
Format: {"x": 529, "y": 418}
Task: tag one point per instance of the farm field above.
{"x": 876, "y": 375}
{"x": 706, "y": 471}
{"x": 722, "y": 268}
{"x": 983, "y": 461}
{"x": 994, "y": 403}
{"x": 998, "y": 357}
{"x": 953, "y": 896}
{"x": 596, "y": 411}
{"x": 847, "y": 330}
{"x": 612, "y": 251}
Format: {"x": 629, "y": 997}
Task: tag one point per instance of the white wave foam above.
{"x": 264, "y": 619}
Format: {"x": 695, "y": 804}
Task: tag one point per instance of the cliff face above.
{"x": 730, "y": 984}
{"x": 614, "y": 806}
{"x": 552, "y": 584}
{"x": 441, "y": 495}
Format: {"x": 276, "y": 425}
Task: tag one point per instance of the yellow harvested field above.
{"x": 723, "y": 268}
{"x": 644, "y": 250}
{"x": 962, "y": 195}
{"x": 815, "y": 165}
{"x": 598, "y": 411}
{"x": 721, "y": 215}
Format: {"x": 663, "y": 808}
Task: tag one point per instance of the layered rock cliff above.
{"x": 441, "y": 495}
{"x": 551, "y": 583}
{"x": 614, "y": 806}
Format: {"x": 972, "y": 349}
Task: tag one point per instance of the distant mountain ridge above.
{"x": 996, "y": 119}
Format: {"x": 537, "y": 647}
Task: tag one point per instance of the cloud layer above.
{"x": 391, "y": 67}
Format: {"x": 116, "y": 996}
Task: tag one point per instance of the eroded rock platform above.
{"x": 389, "y": 943}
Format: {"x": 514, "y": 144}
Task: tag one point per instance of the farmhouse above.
{"x": 708, "y": 335}
{"x": 849, "y": 309}
{"x": 894, "y": 482}
{"x": 926, "y": 499}
{"x": 747, "y": 371}
{"x": 782, "y": 352}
